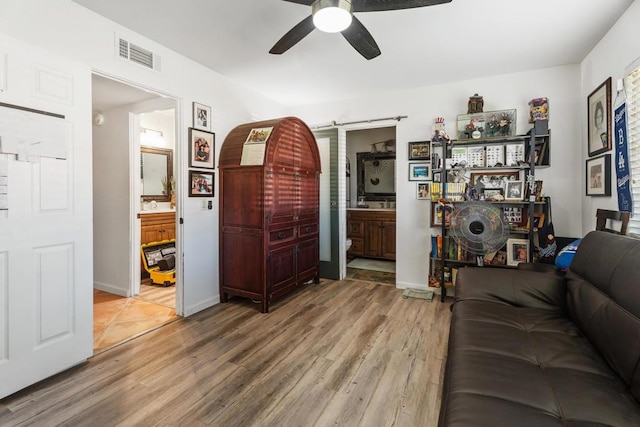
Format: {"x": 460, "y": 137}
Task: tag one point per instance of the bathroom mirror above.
{"x": 156, "y": 165}
{"x": 376, "y": 176}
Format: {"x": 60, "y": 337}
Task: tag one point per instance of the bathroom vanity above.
{"x": 372, "y": 232}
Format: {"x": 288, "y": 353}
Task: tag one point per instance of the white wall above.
{"x": 611, "y": 56}
{"x": 562, "y": 181}
{"x": 72, "y": 31}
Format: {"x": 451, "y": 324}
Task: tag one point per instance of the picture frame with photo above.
{"x": 492, "y": 193}
{"x": 422, "y": 191}
{"x": 420, "y": 171}
{"x": 201, "y": 184}
{"x": 436, "y": 214}
{"x": 538, "y": 194}
{"x": 517, "y": 251}
{"x": 516, "y": 216}
{"x": 538, "y": 221}
{"x": 514, "y": 190}
{"x": 482, "y": 180}
{"x": 420, "y": 150}
{"x": 202, "y": 149}
{"x": 201, "y": 117}
{"x": 598, "y": 179}
{"x": 599, "y": 119}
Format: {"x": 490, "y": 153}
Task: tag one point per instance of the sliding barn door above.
{"x": 46, "y": 321}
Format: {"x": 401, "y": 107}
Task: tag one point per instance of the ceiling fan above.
{"x": 337, "y": 16}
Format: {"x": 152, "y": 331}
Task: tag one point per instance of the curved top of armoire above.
{"x": 291, "y": 144}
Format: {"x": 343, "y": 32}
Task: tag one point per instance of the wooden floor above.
{"x": 158, "y": 294}
{"x": 343, "y": 353}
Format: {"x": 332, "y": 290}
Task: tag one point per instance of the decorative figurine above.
{"x": 439, "y": 132}
{"x": 493, "y": 126}
{"x": 476, "y": 103}
{"x": 505, "y": 124}
{"x": 538, "y": 109}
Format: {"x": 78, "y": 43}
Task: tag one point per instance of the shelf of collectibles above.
{"x": 491, "y": 169}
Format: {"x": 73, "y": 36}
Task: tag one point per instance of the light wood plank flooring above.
{"x": 157, "y": 294}
{"x": 341, "y": 353}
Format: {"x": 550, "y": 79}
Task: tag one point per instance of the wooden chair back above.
{"x": 602, "y": 215}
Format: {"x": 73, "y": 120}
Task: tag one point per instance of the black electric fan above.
{"x": 356, "y": 34}
{"x": 479, "y": 227}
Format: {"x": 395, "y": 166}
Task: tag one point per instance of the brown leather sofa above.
{"x": 535, "y": 349}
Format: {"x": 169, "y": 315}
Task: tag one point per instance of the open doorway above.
{"x": 134, "y": 139}
{"x": 371, "y": 204}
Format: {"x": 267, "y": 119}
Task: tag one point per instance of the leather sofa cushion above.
{"x": 603, "y": 299}
{"x": 524, "y": 366}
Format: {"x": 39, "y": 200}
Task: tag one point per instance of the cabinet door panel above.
{"x": 388, "y": 241}
{"x": 356, "y": 247}
{"x": 241, "y": 262}
{"x": 308, "y": 255}
{"x": 242, "y": 196}
{"x": 372, "y": 236}
{"x": 308, "y": 195}
{"x": 355, "y": 228}
{"x": 282, "y": 197}
{"x": 281, "y": 268}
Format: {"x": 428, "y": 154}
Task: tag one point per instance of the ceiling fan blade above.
{"x": 380, "y": 5}
{"x": 294, "y": 35}
{"x": 305, "y": 2}
{"x": 361, "y": 40}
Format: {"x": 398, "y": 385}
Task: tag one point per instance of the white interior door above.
{"x": 46, "y": 316}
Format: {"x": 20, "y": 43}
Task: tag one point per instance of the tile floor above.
{"x": 117, "y": 319}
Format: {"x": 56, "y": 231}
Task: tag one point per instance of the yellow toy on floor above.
{"x": 160, "y": 261}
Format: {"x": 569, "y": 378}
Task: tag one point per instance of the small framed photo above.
{"x": 202, "y": 149}
{"x": 599, "y": 176}
{"x": 599, "y": 119}
{"x": 517, "y": 251}
{"x": 538, "y": 221}
{"x": 420, "y": 150}
{"x": 422, "y": 192}
{"x": 492, "y": 193}
{"x": 201, "y": 184}
{"x": 538, "y": 192}
{"x": 515, "y": 190}
{"x": 420, "y": 171}
{"x": 436, "y": 214}
{"x": 201, "y": 117}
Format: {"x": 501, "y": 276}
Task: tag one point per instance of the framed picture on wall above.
{"x": 419, "y": 171}
{"x": 202, "y": 149}
{"x": 420, "y": 150}
{"x": 598, "y": 180}
{"x": 201, "y": 184}
{"x": 599, "y": 119}
{"x": 201, "y": 117}
{"x": 422, "y": 191}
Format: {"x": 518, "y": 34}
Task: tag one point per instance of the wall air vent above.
{"x": 131, "y": 52}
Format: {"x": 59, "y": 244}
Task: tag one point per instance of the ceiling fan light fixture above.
{"x": 331, "y": 16}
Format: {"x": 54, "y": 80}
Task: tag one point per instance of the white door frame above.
{"x": 135, "y": 190}
{"x": 342, "y": 160}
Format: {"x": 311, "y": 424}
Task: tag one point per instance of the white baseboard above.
{"x": 202, "y": 305}
{"x": 106, "y": 287}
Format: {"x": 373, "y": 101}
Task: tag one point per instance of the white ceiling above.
{"x": 461, "y": 40}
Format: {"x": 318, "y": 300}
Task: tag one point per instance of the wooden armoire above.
{"x": 269, "y": 211}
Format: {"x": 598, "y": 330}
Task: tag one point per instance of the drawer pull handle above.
{"x": 281, "y": 235}
{"x": 306, "y": 230}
